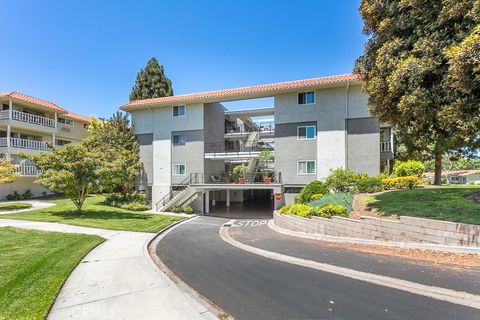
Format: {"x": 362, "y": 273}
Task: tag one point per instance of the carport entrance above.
{"x": 244, "y": 204}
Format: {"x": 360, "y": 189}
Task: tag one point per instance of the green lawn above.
{"x": 443, "y": 203}
{"x": 96, "y": 214}
{"x": 33, "y": 267}
{"x": 14, "y": 206}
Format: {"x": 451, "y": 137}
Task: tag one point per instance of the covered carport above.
{"x": 241, "y": 200}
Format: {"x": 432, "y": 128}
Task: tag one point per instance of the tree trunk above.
{"x": 438, "y": 167}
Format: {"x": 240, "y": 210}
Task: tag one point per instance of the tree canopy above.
{"x": 117, "y": 149}
{"x": 151, "y": 82}
{"x": 7, "y": 172}
{"x": 421, "y": 69}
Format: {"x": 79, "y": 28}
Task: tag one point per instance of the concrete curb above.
{"x": 205, "y": 307}
{"x": 402, "y": 245}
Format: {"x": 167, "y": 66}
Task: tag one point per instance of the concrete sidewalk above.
{"x": 117, "y": 280}
{"x": 36, "y": 204}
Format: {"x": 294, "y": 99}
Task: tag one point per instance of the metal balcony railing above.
{"x": 225, "y": 178}
{"x": 28, "y": 118}
{"x": 25, "y": 170}
{"x": 225, "y": 149}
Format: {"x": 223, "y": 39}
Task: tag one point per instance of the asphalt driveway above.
{"x": 249, "y": 286}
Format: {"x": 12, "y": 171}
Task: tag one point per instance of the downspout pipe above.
{"x": 346, "y": 125}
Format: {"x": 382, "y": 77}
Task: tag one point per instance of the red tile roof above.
{"x": 264, "y": 89}
{"x": 30, "y": 99}
{"x": 76, "y": 116}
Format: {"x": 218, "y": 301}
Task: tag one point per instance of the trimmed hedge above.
{"x": 330, "y": 210}
{"x": 401, "y": 182}
{"x": 367, "y": 184}
{"x": 408, "y": 168}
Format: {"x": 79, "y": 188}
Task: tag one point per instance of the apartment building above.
{"x": 26, "y": 125}
{"x": 190, "y": 143}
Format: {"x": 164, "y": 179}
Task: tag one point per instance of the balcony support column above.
{"x": 8, "y": 141}
{"x": 56, "y": 120}
{"x": 10, "y": 108}
{"x": 391, "y": 140}
{"x": 228, "y": 198}
{"x": 207, "y": 202}
{"x": 53, "y": 139}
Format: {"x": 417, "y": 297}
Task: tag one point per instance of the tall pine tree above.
{"x": 151, "y": 82}
{"x": 420, "y": 67}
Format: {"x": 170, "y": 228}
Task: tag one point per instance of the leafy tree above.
{"x": 408, "y": 168}
{"x": 73, "y": 169}
{"x": 151, "y": 82}
{"x": 7, "y": 172}
{"x": 118, "y": 150}
{"x": 421, "y": 71}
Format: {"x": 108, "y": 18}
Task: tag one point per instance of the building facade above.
{"x": 189, "y": 144}
{"x": 30, "y": 125}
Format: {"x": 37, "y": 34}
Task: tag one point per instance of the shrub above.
{"x": 367, "y": 184}
{"x": 285, "y": 209}
{"x": 408, "y": 168}
{"x": 401, "y": 182}
{"x": 343, "y": 199}
{"x": 341, "y": 180}
{"x": 187, "y": 210}
{"x": 176, "y": 209}
{"x": 300, "y": 209}
{"x": 330, "y": 210}
{"x": 316, "y": 196}
{"x": 27, "y": 194}
{"x": 314, "y": 187}
{"x": 135, "y": 206}
{"x": 14, "y": 196}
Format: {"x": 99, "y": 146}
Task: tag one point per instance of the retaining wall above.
{"x": 406, "y": 229}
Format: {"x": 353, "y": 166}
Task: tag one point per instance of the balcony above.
{"x": 27, "y": 118}
{"x": 385, "y": 146}
{"x": 223, "y": 151}
{"x": 264, "y": 129}
{"x": 25, "y": 144}
{"x": 28, "y": 170}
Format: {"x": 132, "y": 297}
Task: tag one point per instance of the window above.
{"x": 179, "y": 140}
{"x": 306, "y": 167}
{"x": 306, "y": 132}
{"x": 61, "y": 142}
{"x": 179, "y": 111}
{"x": 66, "y": 121}
{"x": 306, "y": 97}
{"x": 178, "y": 169}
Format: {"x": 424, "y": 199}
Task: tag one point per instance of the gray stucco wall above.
{"x": 363, "y": 145}
{"x": 191, "y": 154}
{"x": 214, "y": 124}
{"x": 288, "y": 150}
{"x": 145, "y": 179}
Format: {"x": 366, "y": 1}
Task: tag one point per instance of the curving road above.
{"x": 249, "y": 286}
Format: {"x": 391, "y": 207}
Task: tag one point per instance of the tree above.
{"x": 7, "y": 172}
{"x": 151, "y": 82}
{"x": 413, "y": 68}
{"x": 73, "y": 169}
{"x": 118, "y": 151}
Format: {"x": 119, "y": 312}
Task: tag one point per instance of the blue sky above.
{"x": 84, "y": 55}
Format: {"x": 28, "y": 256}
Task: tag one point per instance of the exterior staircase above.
{"x": 177, "y": 198}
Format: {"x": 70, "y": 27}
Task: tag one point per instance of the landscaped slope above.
{"x": 97, "y": 215}
{"x": 450, "y": 203}
{"x": 33, "y": 267}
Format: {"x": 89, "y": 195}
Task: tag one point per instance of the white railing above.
{"x": 27, "y": 170}
{"x": 385, "y": 146}
{"x": 28, "y": 144}
{"x": 28, "y": 118}
{"x": 4, "y": 114}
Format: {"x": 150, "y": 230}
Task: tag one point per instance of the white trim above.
{"x": 179, "y": 164}
{"x": 307, "y": 104}
{"x": 306, "y": 137}
{"x": 184, "y": 109}
{"x": 306, "y": 167}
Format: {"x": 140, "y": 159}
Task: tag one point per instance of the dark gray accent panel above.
{"x": 191, "y": 135}
{"x": 290, "y": 129}
{"x": 145, "y": 139}
{"x": 363, "y": 126}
